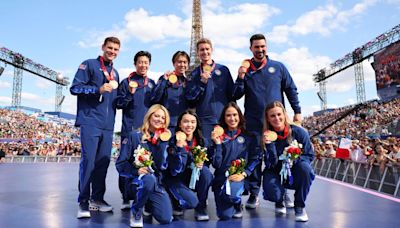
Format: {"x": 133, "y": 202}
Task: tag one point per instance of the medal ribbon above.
{"x": 263, "y": 63}
{"x": 153, "y": 140}
{"x": 109, "y": 76}
{"x": 225, "y": 136}
{"x": 212, "y": 67}
{"x": 145, "y": 78}
{"x": 177, "y": 83}
{"x": 285, "y": 133}
{"x": 194, "y": 143}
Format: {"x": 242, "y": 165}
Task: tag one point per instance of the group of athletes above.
{"x": 182, "y": 113}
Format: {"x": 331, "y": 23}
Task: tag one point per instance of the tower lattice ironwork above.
{"x": 197, "y": 33}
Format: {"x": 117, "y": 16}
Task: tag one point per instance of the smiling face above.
{"x": 204, "y": 52}
{"x": 231, "y": 118}
{"x": 110, "y": 51}
{"x": 276, "y": 118}
{"x": 142, "y": 65}
{"x": 157, "y": 120}
{"x": 259, "y": 49}
{"x": 181, "y": 64}
{"x": 188, "y": 124}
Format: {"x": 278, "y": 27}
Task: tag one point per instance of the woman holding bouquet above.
{"x": 234, "y": 157}
{"x": 288, "y": 154}
{"x": 142, "y": 161}
{"x": 187, "y": 171}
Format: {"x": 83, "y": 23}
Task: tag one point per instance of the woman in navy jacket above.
{"x": 144, "y": 185}
{"x": 234, "y": 144}
{"x": 180, "y": 170}
{"x": 301, "y": 173}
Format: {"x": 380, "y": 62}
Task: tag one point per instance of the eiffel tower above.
{"x": 197, "y": 33}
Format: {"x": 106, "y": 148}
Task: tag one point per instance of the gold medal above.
{"x": 207, "y": 68}
{"x": 172, "y": 78}
{"x": 165, "y": 136}
{"x": 271, "y": 135}
{"x": 245, "y": 64}
{"x": 114, "y": 84}
{"x": 218, "y": 131}
{"x": 180, "y": 136}
{"x": 133, "y": 84}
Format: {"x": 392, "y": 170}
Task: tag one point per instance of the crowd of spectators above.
{"x": 37, "y": 134}
{"x": 368, "y": 128}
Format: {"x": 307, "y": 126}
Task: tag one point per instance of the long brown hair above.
{"x": 242, "y": 121}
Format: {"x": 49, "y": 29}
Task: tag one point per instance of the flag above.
{"x": 343, "y": 149}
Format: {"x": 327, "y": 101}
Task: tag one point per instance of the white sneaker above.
{"x": 125, "y": 205}
{"x": 101, "y": 205}
{"x": 301, "y": 214}
{"x": 201, "y": 214}
{"x": 83, "y": 210}
{"x": 288, "y": 202}
{"x": 177, "y": 212}
{"x": 252, "y": 202}
{"x": 280, "y": 208}
{"x": 146, "y": 213}
{"x": 136, "y": 221}
{"x": 238, "y": 214}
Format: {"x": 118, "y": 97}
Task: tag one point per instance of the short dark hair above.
{"x": 112, "y": 39}
{"x": 179, "y": 54}
{"x": 258, "y": 36}
{"x": 142, "y": 53}
{"x": 242, "y": 121}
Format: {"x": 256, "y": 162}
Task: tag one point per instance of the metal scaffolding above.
{"x": 21, "y": 64}
{"x": 356, "y": 58}
{"x": 360, "y": 85}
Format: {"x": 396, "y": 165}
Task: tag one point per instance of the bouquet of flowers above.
{"x": 199, "y": 155}
{"x": 143, "y": 158}
{"x": 237, "y": 166}
{"x": 289, "y": 155}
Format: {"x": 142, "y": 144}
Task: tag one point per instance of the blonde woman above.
{"x": 300, "y": 174}
{"x": 144, "y": 182}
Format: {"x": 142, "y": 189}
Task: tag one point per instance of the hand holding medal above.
{"x": 243, "y": 68}
{"x": 205, "y": 73}
{"x": 132, "y": 86}
{"x": 180, "y": 139}
{"x": 114, "y": 84}
{"x": 269, "y": 136}
{"x": 172, "y": 78}
{"x": 165, "y": 135}
{"x": 217, "y": 133}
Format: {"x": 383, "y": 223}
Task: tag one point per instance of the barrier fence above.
{"x": 385, "y": 180}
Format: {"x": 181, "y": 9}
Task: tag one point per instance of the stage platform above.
{"x": 44, "y": 195}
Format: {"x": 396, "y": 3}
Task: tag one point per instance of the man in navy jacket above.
{"x": 95, "y": 85}
{"x": 262, "y": 81}
{"x": 209, "y": 88}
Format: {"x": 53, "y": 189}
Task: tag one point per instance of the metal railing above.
{"x": 42, "y": 159}
{"x": 384, "y": 180}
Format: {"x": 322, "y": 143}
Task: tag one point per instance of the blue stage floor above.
{"x": 44, "y": 195}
